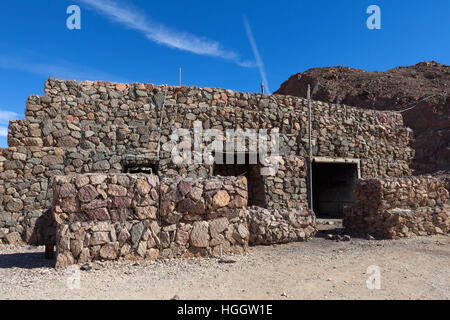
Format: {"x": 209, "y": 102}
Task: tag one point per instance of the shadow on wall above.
{"x": 44, "y": 230}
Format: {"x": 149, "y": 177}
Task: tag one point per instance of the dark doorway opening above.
{"x": 247, "y": 167}
{"x": 333, "y": 185}
{"x": 134, "y": 164}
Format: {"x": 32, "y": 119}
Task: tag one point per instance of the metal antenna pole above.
{"x": 262, "y": 87}
{"x": 161, "y": 122}
{"x": 310, "y": 148}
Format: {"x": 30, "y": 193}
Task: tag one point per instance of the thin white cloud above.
{"x": 161, "y": 34}
{"x": 3, "y": 131}
{"x": 61, "y": 70}
{"x": 5, "y": 116}
{"x": 259, "y": 61}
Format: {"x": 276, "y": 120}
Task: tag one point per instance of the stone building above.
{"x": 106, "y": 127}
{"x": 109, "y": 128}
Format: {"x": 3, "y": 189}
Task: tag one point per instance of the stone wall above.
{"x": 88, "y": 127}
{"x": 133, "y": 216}
{"x": 400, "y": 207}
{"x": 109, "y": 116}
{"x": 280, "y": 225}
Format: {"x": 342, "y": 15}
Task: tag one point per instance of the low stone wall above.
{"x": 107, "y": 217}
{"x": 280, "y": 225}
{"x": 400, "y": 207}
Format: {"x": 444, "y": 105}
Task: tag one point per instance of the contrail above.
{"x": 259, "y": 61}
{"x": 133, "y": 19}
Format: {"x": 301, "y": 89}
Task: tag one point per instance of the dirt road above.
{"x": 416, "y": 268}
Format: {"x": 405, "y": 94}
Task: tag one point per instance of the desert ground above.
{"x": 414, "y": 268}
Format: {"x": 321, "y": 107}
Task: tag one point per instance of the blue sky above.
{"x": 147, "y": 41}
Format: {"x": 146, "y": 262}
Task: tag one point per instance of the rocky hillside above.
{"x": 420, "y": 92}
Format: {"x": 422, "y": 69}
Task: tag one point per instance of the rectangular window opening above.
{"x": 333, "y": 186}
{"x": 249, "y": 169}
{"x": 140, "y": 165}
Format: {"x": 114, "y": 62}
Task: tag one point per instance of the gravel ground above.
{"x": 415, "y": 268}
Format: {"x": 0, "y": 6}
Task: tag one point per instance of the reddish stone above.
{"x": 87, "y": 193}
{"x": 52, "y": 160}
{"x": 196, "y": 193}
{"x": 185, "y": 205}
{"x": 120, "y": 214}
{"x": 121, "y": 86}
{"x": 166, "y": 208}
{"x": 67, "y": 142}
{"x": 67, "y": 190}
{"x": 94, "y": 204}
{"x": 116, "y": 190}
{"x": 146, "y": 212}
{"x": 122, "y": 202}
{"x": 184, "y": 187}
{"x": 70, "y": 205}
{"x": 100, "y": 214}
{"x": 199, "y": 235}
{"x": 142, "y": 187}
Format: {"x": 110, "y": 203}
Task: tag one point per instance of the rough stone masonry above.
{"x": 88, "y": 140}
{"x": 104, "y": 127}
{"x": 400, "y": 207}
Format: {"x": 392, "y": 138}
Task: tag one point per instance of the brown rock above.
{"x": 142, "y": 187}
{"x": 166, "y": 208}
{"x": 196, "y": 193}
{"x": 221, "y": 199}
{"x": 94, "y": 204}
{"x": 121, "y": 86}
{"x": 97, "y": 178}
{"x": 199, "y": 235}
{"x": 152, "y": 254}
{"x": 184, "y": 187}
{"x": 64, "y": 259}
{"x": 116, "y": 190}
{"x": 148, "y": 212}
{"x": 99, "y": 238}
{"x": 217, "y": 226}
{"x": 70, "y": 205}
{"x": 109, "y": 251}
{"x": 238, "y": 202}
{"x": 52, "y": 160}
{"x": 182, "y": 237}
{"x": 81, "y": 181}
{"x": 67, "y": 142}
{"x": 122, "y": 202}
{"x": 33, "y": 142}
{"x": 76, "y": 246}
{"x": 185, "y": 205}
{"x": 198, "y": 208}
{"x": 100, "y": 214}
{"x": 87, "y": 193}
{"x": 67, "y": 190}
{"x": 14, "y": 205}
{"x": 153, "y": 180}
